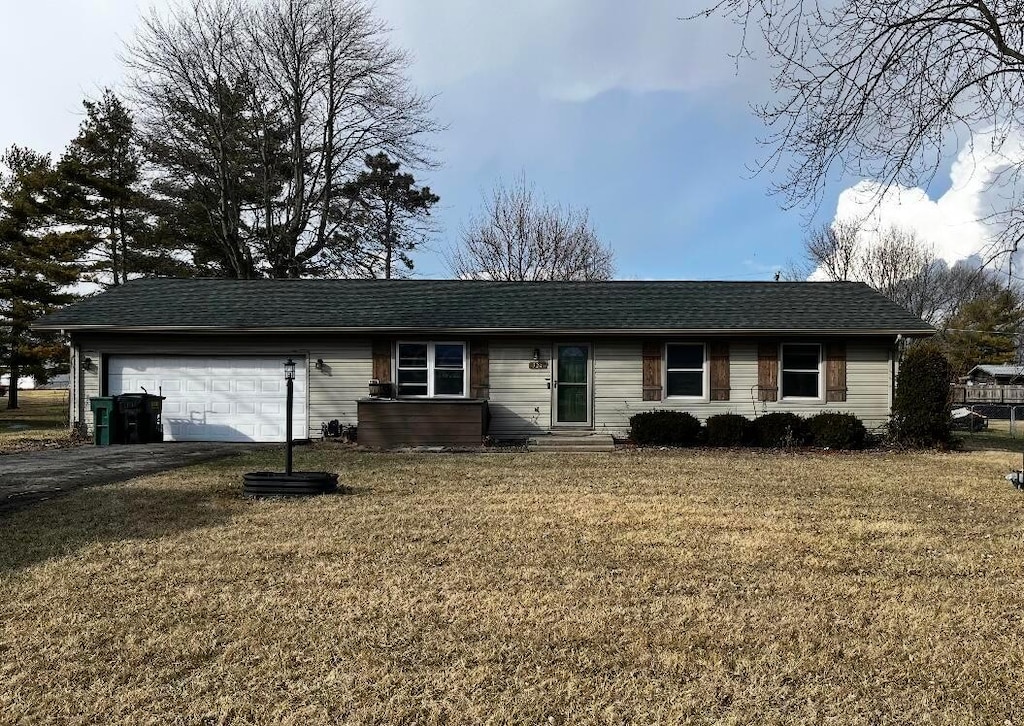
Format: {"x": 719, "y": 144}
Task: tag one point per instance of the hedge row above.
{"x": 774, "y": 430}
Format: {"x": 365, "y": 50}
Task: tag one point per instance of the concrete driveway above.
{"x": 35, "y": 476}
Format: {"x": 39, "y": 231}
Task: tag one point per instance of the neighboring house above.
{"x": 1003, "y": 375}
{"x": 466, "y": 358}
{"x": 25, "y": 383}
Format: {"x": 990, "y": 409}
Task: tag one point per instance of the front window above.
{"x": 432, "y": 369}
{"x": 801, "y": 370}
{"x": 684, "y": 370}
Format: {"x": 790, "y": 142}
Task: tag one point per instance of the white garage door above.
{"x": 222, "y": 398}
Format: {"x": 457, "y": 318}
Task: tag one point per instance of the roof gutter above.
{"x": 482, "y": 331}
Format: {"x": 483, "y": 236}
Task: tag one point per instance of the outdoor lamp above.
{"x": 536, "y": 355}
{"x": 289, "y": 370}
{"x": 319, "y": 364}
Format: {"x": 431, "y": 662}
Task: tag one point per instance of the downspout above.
{"x": 895, "y": 371}
{"x": 74, "y": 385}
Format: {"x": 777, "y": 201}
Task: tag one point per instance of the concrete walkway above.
{"x": 35, "y": 476}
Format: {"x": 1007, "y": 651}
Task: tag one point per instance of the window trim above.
{"x": 820, "y": 398}
{"x": 705, "y": 379}
{"x": 431, "y": 368}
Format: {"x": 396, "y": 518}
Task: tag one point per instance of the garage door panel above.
{"x": 219, "y": 398}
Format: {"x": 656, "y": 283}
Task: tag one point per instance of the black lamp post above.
{"x": 290, "y": 483}
{"x": 289, "y": 376}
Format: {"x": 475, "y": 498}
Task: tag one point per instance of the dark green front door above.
{"x": 572, "y": 388}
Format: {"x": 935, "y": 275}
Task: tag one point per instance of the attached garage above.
{"x": 216, "y": 398}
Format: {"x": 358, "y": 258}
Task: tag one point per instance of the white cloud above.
{"x": 953, "y": 224}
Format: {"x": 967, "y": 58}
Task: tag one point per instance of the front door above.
{"x": 572, "y": 385}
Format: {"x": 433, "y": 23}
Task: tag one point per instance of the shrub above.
{"x": 728, "y": 429}
{"x": 837, "y": 431}
{"x": 920, "y": 410}
{"x": 664, "y": 428}
{"x": 779, "y": 430}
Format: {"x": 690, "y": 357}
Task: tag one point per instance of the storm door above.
{"x": 572, "y": 385}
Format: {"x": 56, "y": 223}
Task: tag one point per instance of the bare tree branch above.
{"x": 521, "y": 237}
{"x": 264, "y": 111}
{"x": 884, "y": 89}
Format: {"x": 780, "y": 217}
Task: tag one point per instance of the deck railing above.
{"x": 987, "y": 393}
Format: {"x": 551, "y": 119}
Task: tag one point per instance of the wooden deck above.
{"x": 389, "y": 423}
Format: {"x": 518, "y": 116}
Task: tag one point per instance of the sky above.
{"x": 624, "y": 109}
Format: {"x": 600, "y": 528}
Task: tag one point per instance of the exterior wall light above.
{"x": 536, "y": 355}
{"x": 319, "y": 364}
{"x": 87, "y": 363}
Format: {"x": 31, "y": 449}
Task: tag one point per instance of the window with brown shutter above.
{"x": 479, "y": 370}
{"x": 652, "y": 371}
{"x": 835, "y": 372}
{"x": 768, "y": 372}
{"x": 719, "y": 354}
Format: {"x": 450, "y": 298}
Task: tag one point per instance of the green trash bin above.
{"x": 104, "y": 422}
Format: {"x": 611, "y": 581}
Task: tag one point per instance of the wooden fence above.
{"x": 987, "y": 394}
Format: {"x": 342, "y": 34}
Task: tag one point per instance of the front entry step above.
{"x": 572, "y": 442}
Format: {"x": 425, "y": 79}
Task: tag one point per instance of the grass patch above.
{"x": 730, "y": 587}
{"x": 997, "y": 437}
{"x": 36, "y": 410}
{"x": 40, "y": 421}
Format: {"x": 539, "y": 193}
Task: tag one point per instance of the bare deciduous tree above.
{"x": 258, "y": 115}
{"x": 834, "y": 249}
{"x": 899, "y": 265}
{"x": 885, "y": 88}
{"x": 520, "y": 237}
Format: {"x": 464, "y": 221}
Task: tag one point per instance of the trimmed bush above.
{"x": 920, "y": 409}
{"x": 727, "y": 429}
{"x": 837, "y": 431}
{"x": 779, "y": 430}
{"x": 664, "y": 428}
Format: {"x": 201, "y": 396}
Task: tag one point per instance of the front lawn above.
{"x": 529, "y": 588}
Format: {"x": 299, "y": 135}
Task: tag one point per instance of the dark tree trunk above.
{"x": 12, "y": 390}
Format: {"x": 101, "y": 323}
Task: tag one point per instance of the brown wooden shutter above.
{"x": 652, "y": 371}
{"x": 835, "y": 372}
{"x": 479, "y": 370}
{"x": 767, "y": 372}
{"x": 719, "y": 354}
{"x": 382, "y": 360}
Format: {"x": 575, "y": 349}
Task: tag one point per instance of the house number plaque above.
{"x": 538, "y": 365}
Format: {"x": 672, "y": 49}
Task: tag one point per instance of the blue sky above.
{"x": 621, "y": 108}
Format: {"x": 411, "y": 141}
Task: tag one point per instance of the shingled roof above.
{"x": 483, "y": 306}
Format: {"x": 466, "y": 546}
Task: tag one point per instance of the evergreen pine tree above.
{"x": 38, "y": 264}
{"x": 387, "y": 219}
{"x": 102, "y": 169}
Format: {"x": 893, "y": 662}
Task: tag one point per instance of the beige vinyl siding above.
{"x": 520, "y": 400}
{"x": 344, "y": 379}
{"x": 332, "y": 392}
{"x": 618, "y": 383}
{"x": 89, "y": 388}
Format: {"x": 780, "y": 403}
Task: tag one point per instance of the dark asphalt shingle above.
{"x": 465, "y": 304}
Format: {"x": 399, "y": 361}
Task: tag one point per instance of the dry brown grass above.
{"x": 40, "y": 422}
{"x": 637, "y": 587}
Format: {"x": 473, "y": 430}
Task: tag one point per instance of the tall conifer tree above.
{"x": 102, "y": 168}
{"x": 38, "y": 263}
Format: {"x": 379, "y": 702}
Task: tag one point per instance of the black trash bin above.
{"x": 140, "y": 418}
